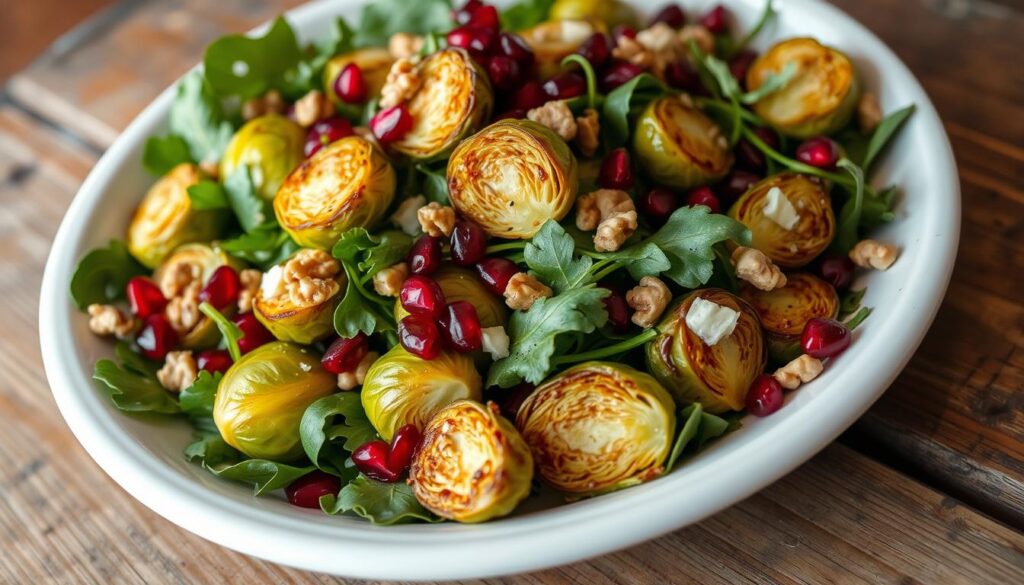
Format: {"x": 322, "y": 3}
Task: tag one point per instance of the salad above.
{"x": 428, "y": 266}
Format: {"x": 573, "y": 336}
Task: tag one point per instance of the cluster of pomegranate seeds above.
{"x": 222, "y": 289}
{"x": 670, "y": 14}
{"x": 658, "y": 204}
{"x": 214, "y": 360}
{"x": 476, "y": 40}
{"x": 837, "y": 271}
{"x": 734, "y": 185}
{"x": 565, "y": 85}
{"x": 495, "y": 273}
{"x": 391, "y": 124}
{"x": 345, "y": 353}
{"x": 350, "y": 85}
{"x": 421, "y": 295}
{"x": 821, "y": 152}
{"x": 512, "y": 399}
{"x": 682, "y": 75}
{"x": 460, "y": 326}
{"x": 383, "y": 462}
{"x": 617, "y": 308}
{"x": 765, "y": 396}
{"x": 824, "y": 338}
{"x": 596, "y": 49}
{"x": 468, "y": 243}
{"x": 618, "y": 73}
{"x": 157, "y": 337}
{"x": 503, "y": 71}
{"x": 432, "y": 322}
{"x": 254, "y": 334}
{"x": 306, "y": 491}
{"x": 425, "y": 255}
{"x": 715, "y": 20}
{"x": 529, "y": 95}
{"x": 144, "y": 297}
{"x": 703, "y": 196}
{"x": 324, "y": 132}
{"x": 616, "y": 170}
{"x": 419, "y": 336}
{"x": 514, "y": 47}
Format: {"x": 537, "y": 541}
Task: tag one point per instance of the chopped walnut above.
{"x": 251, "y": 280}
{"x": 401, "y": 84}
{"x": 758, "y": 269}
{"x": 557, "y": 116}
{"x": 631, "y": 50}
{"x": 351, "y": 380}
{"x": 612, "y": 212}
{"x": 182, "y": 310}
{"x": 648, "y": 300}
{"x": 588, "y": 132}
{"x": 176, "y": 277}
{"x": 869, "y": 111}
{"x": 436, "y": 220}
{"x": 388, "y": 282}
{"x": 309, "y": 277}
{"x": 664, "y": 44}
{"x": 523, "y": 290}
{"x": 698, "y": 34}
{"x": 271, "y": 102}
{"x": 799, "y": 371}
{"x": 874, "y": 254}
{"x": 312, "y": 107}
{"x": 178, "y": 372}
{"x": 404, "y": 45}
{"x": 109, "y": 320}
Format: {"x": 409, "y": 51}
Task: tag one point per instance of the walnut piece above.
{"x": 352, "y": 380}
{"x": 799, "y": 371}
{"x": 388, "y": 282}
{"x": 557, "y": 116}
{"x": 869, "y": 112}
{"x": 648, "y": 300}
{"x": 109, "y": 320}
{"x": 401, "y": 83}
{"x": 178, "y": 372}
{"x": 523, "y": 290}
{"x": 251, "y": 280}
{"x": 588, "y": 132}
{"x": 664, "y": 44}
{"x": 612, "y": 212}
{"x": 874, "y": 254}
{"x": 405, "y": 217}
{"x": 698, "y": 34}
{"x": 630, "y": 50}
{"x": 271, "y": 102}
{"x": 178, "y": 276}
{"x": 404, "y": 45}
{"x": 758, "y": 269}
{"x": 182, "y": 310}
{"x": 436, "y": 220}
{"x": 309, "y": 277}
{"x": 312, "y": 107}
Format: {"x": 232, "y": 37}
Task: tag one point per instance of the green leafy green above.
{"x": 642, "y": 259}
{"x": 196, "y": 401}
{"x": 211, "y": 450}
{"x": 102, "y": 274}
{"x": 163, "y": 153}
{"x": 360, "y": 309}
{"x": 772, "y": 84}
{"x": 858, "y": 318}
{"x": 228, "y": 329}
{"x": 222, "y": 460}
{"x": 878, "y": 206}
{"x": 133, "y": 391}
{"x": 380, "y": 503}
{"x": 525, "y": 14}
{"x": 238, "y": 65}
{"x": 698, "y": 425}
{"x": 372, "y": 253}
{"x": 766, "y": 16}
{"x": 362, "y": 255}
{"x": 850, "y": 302}
{"x": 264, "y": 246}
{"x": 250, "y": 209}
{"x": 435, "y": 182}
{"x": 307, "y": 72}
{"x": 196, "y": 116}
{"x": 588, "y": 73}
{"x": 207, "y": 194}
{"x": 134, "y": 361}
{"x": 319, "y": 425}
{"x": 883, "y": 134}
{"x": 550, "y": 256}
{"x": 849, "y": 216}
{"x": 626, "y": 102}
{"x": 382, "y": 18}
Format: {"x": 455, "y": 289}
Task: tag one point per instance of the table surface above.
{"x": 927, "y": 487}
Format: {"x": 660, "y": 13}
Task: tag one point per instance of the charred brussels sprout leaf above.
{"x": 321, "y": 425}
{"x": 196, "y": 117}
{"x": 133, "y": 391}
{"x": 525, "y": 13}
{"x": 382, "y": 18}
{"x": 626, "y": 102}
{"x": 163, "y": 153}
{"x": 381, "y": 503}
{"x": 102, "y": 274}
{"x": 239, "y": 65}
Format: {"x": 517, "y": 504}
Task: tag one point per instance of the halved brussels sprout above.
{"x": 608, "y": 13}
{"x": 784, "y": 311}
{"x": 271, "y": 146}
{"x": 553, "y": 40}
{"x": 718, "y": 376}
{"x": 511, "y": 177}
{"x": 453, "y": 101}
{"x": 401, "y": 388}
{"x": 679, "y": 146}
{"x": 373, "y": 62}
{"x": 261, "y": 399}
{"x": 598, "y": 427}
{"x": 819, "y": 99}
{"x": 459, "y": 284}
{"x": 165, "y": 218}
{"x": 208, "y": 258}
{"x": 472, "y": 464}
{"x": 809, "y": 236}
{"x": 301, "y": 323}
{"x": 348, "y": 183}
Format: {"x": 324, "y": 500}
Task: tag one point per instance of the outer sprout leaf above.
{"x": 102, "y": 274}
{"x": 163, "y": 153}
{"x": 238, "y": 65}
{"x": 550, "y": 255}
{"x": 883, "y": 133}
{"x": 132, "y": 391}
{"x": 849, "y": 215}
{"x": 196, "y": 117}
{"x": 227, "y": 328}
{"x": 380, "y": 503}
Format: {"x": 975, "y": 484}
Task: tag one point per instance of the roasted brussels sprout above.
{"x": 374, "y": 63}
{"x": 401, "y": 388}
{"x": 511, "y": 177}
{"x": 208, "y": 258}
{"x": 261, "y": 399}
{"x": 452, "y": 102}
{"x": 472, "y": 464}
{"x": 811, "y": 223}
{"x": 289, "y": 318}
{"x": 716, "y": 376}
{"x": 459, "y": 284}
{"x": 165, "y": 218}
{"x": 607, "y": 13}
{"x": 819, "y": 99}
{"x": 271, "y": 146}
{"x": 784, "y": 311}
{"x": 679, "y": 146}
{"x": 348, "y": 183}
{"x": 598, "y": 427}
{"x": 553, "y": 40}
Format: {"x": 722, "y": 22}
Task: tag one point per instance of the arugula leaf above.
{"x": 307, "y": 72}
{"x": 435, "y": 183}
{"x": 766, "y": 15}
{"x": 533, "y": 333}
{"x": 265, "y": 246}
{"x": 210, "y": 449}
{"x": 228, "y": 329}
{"x": 381, "y": 503}
{"x": 549, "y": 254}
{"x": 883, "y": 133}
{"x": 382, "y": 18}
{"x": 320, "y": 416}
{"x": 525, "y": 14}
{"x": 102, "y": 274}
{"x": 643, "y": 259}
{"x": 849, "y": 216}
{"x": 163, "y": 153}
{"x": 207, "y": 194}
{"x": 773, "y": 83}
{"x": 266, "y": 476}
{"x": 196, "y": 401}
{"x": 132, "y": 391}
{"x": 878, "y": 206}
{"x": 625, "y": 102}
{"x": 371, "y": 253}
{"x": 250, "y": 209}
{"x": 134, "y": 361}
{"x": 362, "y": 255}
{"x": 238, "y": 65}
{"x": 850, "y": 302}
{"x": 698, "y": 425}
{"x": 356, "y": 311}
{"x": 855, "y": 321}
{"x": 196, "y": 116}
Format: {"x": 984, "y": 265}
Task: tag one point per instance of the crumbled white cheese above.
{"x": 711, "y": 321}
{"x": 495, "y": 342}
{"x": 778, "y": 208}
{"x": 405, "y": 216}
{"x": 271, "y": 280}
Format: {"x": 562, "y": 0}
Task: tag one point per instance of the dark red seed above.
{"x": 622, "y": 30}
{"x": 513, "y": 45}
{"x": 485, "y": 17}
{"x": 495, "y": 273}
{"x": 419, "y": 336}
{"x": 512, "y": 399}
{"x": 824, "y": 338}
{"x": 403, "y": 446}
{"x": 423, "y": 296}
{"x": 837, "y": 271}
{"x": 462, "y": 15}
{"x": 703, "y": 196}
{"x": 503, "y": 71}
{"x": 391, "y": 124}
{"x": 734, "y": 185}
{"x": 617, "y": 308}
{"x": 350, "y": 86}
{"x": 715, "y": 20}
{"x": 324, "y": 132}
{"x": 425, "y": 255}
{"x": 658, "y": 204}
{"x": 468, "y": 244}
{"x": 740, "y": 64}
{"x": 821, "y": 152}
{"x": 371, "y": 459}
{"x": 254, "y": 334}
{"x": 157, "y": 337}
{"x": 460, "y": 326}
{"x": 214, "y": 360}
{"x": 306, "y": 491}
{"x": 474, "y": 39}
{"x": 530, "y": 95}
{"x": 617, "y": 73}
{"x": 682, "y": 75}
{"x": 616, "y": 170}
{"x": 596, "y": 49}
{"x": 671, "y": 15}
{"x": 144, "y": 297}
{"x": 345, "y": 353}
{"x": 765, "y": 396}
{"x": 749, "y": 156}
{"x": 565, "y": 85}
{"x": 222, "y": 289}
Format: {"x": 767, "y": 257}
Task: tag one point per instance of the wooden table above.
{"x": 927, "y": 487}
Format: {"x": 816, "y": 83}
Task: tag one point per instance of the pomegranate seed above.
{"x": 740, "y": 64}
{"x": 144, "y": 297}
{"x": 565, "y": 85}
{"x": 529, "y": 96}
{"x": 622, "y": 30}
{"x": 596, "y": 49}
{"x": 703, "y": 196}
{"x": 254, "y": 334}
{"x": 824, "y": 338}
{"x": 511, "y": 400}
{"x": 618, "y": 72}
{"x": 616, "y": 171}
{"x": 735, "y": 184}
{"x": 425, "y": 255}
{"x": 157, "y": 337}
{"x": 513, "y": 45}
{"x": 821, "y": 152}
{"x": 462, "y": 15}
{"x": 306, "y": 491}
{"x": 485, "y": 17}
{"x": 617, "y": 308}
{"x": 765, "y": 396}
{"x": 214, "y": 360}
{"x": 371, "y": 459}
{"x": 671, "y": 15}
{"x": 495, "y": 273}
{"x": 837, "y": 271}
{"x": 350, "y": 86}
{"x": 469, "y": 243}
{"x": 324, "y": 132}
{"x": 503, "y": 72}
{"x": 403, "y": 446}
{"x": 658, "y": 204}
{"x": 345, "y": 353}
{"x": 474, "y": 39}
{"x": 391, "y": 124}
{"x": 681, "y": 75}
{"x": 749, "y": 157}
{"x": 423, "y": 296}
{"x": 222, "y": 289}
{"x": 461, "y": 327}
{"x": 715, "y": 20}
{"x": 419, "y": 336}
